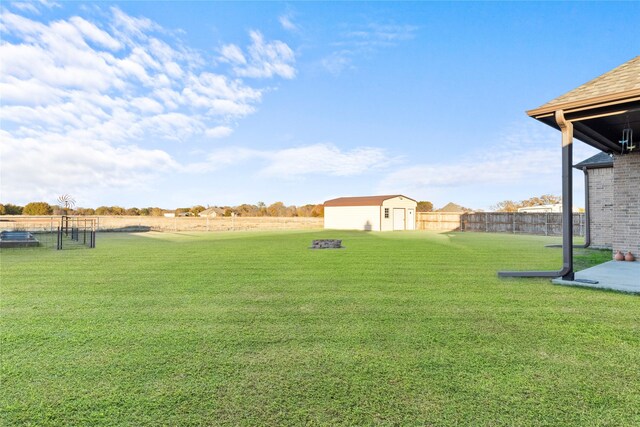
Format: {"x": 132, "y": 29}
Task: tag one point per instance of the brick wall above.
{"x": 601, "y": 206}
{"x": 626, "y": 216}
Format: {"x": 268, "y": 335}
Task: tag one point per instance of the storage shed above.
{"x": 371, "y": 213}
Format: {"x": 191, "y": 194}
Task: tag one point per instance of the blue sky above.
{"x": 173, "y": 104}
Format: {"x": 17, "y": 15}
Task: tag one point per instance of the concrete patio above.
{"x": 621, "y": 276}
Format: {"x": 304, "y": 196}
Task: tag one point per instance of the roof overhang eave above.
{"x": 598, "y": 166}
{"x": 581, "y": 112}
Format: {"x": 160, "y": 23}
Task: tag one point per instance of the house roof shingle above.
{"x": 451, "y": 207}
{"x": 210, "y": 211}
{"x": 600, "y": 160}
{"x": 621, "y": 82}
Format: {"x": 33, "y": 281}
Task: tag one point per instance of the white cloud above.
{"x": 92, "y": 32}
{"x": 338, "y": 61}
{"x": 109, "y": 94}
{"x": 365, "y": 40}
{"x": 220, "y": 95}
{"x": 132, "y": 26}
{"x": 287, "y": 22}
{"x": 324, "y": 159}
{"x": 233, "y": 54}
{"x": 49, "y": 4}
{"x": 19, "y": 25}
{"x": 376, "y": 34}
{"x": 527, "y": 154}
{"x": 51, "y": 164}
{"x": 231, "y": 156}
{"x": 147, "y": 105}
{"x": 506, "y": 168}
{"x": 32, "y": 6}
{"x": 25, "y": 6}
{"x": 29, "y": 92}
{"x": 515, "y": 157}
{"x": 316, "y": 159}
{"x": 263, "y": 59}
{"x": 219, "y": 132}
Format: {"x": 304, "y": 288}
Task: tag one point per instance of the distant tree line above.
{"x": 277, "y": 209}
{"x": 10, "y": 209}
{"x": 511, "y": 206}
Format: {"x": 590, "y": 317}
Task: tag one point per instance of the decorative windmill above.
{"x": 67, "y": 201}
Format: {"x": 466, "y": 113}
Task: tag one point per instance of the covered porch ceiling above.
{"x": 600, "y": 126}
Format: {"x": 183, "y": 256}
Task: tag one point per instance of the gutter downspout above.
{"x": 587, "y": 211}
{"x": 567, "y": 208}
{"x": 587, "y": 216}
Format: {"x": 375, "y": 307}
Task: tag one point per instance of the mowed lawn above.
{"x": 255, "y": 329}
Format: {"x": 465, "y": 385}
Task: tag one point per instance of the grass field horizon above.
{"x": 254, "y": 328}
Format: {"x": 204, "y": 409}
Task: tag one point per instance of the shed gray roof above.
{"x": 362, "y": 201}
{"x": 600, "y": 160}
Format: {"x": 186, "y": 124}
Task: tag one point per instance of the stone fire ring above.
{"x": 326, "y": 244}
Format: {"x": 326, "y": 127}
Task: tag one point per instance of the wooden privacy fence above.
{"x": 437, "y": 221}
{"x": 239, "y": 223}
{"x": 547, "y": 224}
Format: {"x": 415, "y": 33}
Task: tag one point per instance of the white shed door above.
{"x": 398, "y": 218}
{"x": 411, "y": 219}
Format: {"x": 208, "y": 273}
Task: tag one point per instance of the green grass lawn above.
{"x": 255, "y": 329}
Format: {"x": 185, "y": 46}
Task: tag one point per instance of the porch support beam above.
{"x": 567, "y": 195}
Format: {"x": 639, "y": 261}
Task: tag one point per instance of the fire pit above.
{"x": 327, "y": 244}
